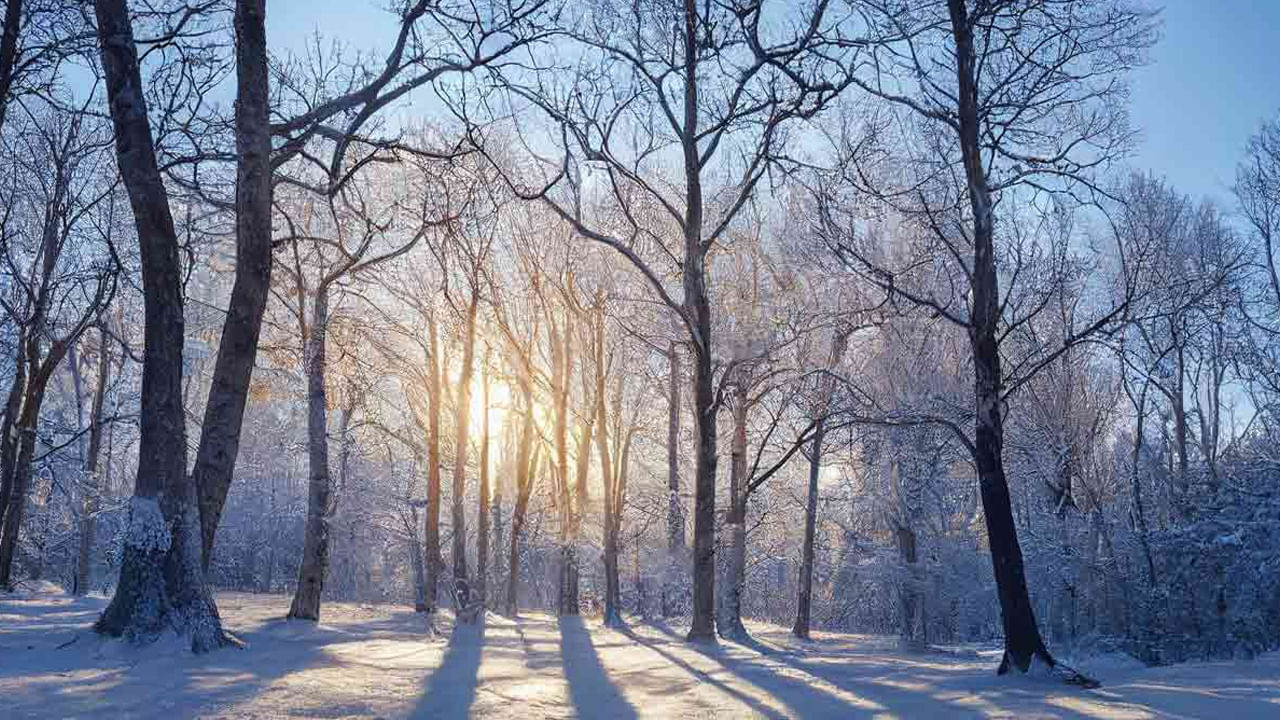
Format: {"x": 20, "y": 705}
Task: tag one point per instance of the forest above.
{"x": 698, "y": 327}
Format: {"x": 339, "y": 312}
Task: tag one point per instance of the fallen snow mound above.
{"x": 366, "y": 661}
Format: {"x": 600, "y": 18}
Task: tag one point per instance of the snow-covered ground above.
{"x": 373, "y": 661}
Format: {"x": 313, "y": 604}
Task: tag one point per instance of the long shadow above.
{"x": 138, "y": 681}
{"x": 592, "y": 692}
{"x": 452, "y": 687}
{"x": 878, "y": 689}
{"x": 759, "y": 707}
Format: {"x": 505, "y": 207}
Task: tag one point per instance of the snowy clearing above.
{"x": 372, "y": 661}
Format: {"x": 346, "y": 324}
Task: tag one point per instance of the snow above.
{"x": 374, "y": 661}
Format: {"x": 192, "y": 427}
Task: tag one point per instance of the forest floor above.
{"x": 374, "y": 661}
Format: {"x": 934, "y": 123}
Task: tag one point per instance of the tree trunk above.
{"x": 524, "y": 488}
{"x": 801, "y": 627}
{"x": 729, "y": 617}
{"x": 562, "y": 370}
{"x": 675, "y": 512}
{"x": 92, "y": 487}
{"x": 499, "y": 540}
{"x": 697, "y": 312}
{"x": 1022, "y": 635}
{"x": 9, "y": 425}
{"x": 21, "y": 483}
{"x": 431, "y": 532}
{"x": 315, "y": 546}
{"x": 1135, "y": 483}
{"x": 161, "y": 584}
{"x": 238, "y": 347}
{"x": 461, "y": 586}
{"x": 608, "y": 475}
{"x": 8, "y": 53}
{"x": 415, "y": 561}
{"x": 909, "y": 604}
{"x": 482, "y": 521}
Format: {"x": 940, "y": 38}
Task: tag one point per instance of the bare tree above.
{"x": 1019, "y": 98}
{"x": 716, "y": 95}
{"x": 823, "y": 401}
{"x": 433, "y": 41}
{"x": 161, "y": 583}
{"x": 68, "y": 281}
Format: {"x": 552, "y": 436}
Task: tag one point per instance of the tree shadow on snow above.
{"x": 781, "y": 672}
{"x": 758, "y": 707}
{"x": 116, "y": 678}
{"x": 452, "y": 687}
{"x": 915, "y": 684}
{"x": 592, "y": 692}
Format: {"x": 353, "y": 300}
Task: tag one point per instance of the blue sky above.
{"x": 1214, "y": 77}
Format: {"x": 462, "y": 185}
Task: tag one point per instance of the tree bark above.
{"x": 161, "y": 584}
{"x": 238, "y": 347}
{"x": 415, "y": 561}
{"x": 675, "y": 512}
{"x": 9, "y": 424}
{"x": 461, "y": 586}
{"x": 805, "y": 592}
{"x": 482, "y": 521}
{"x": 315, "y": 546}
{"x": 524, "y": 488}
{"x": 561, "y": 371}
{"x": 582, "y": 458}
{"x": 1022, "y": 635}
{"x": 431, "y": 532}
{"x": 729, "y": 616}
{"x": 697, "y": 309}
{"x": 21, "y": 483}
{"x": 608, "y": 474}
{"x": 9, "y": 53}
{"x": 908, "y": 596}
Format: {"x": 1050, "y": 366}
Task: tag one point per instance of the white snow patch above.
{"x": 375, "y": 661}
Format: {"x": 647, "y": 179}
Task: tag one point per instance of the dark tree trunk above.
{"x": 161, "y": 584}
{"x": 315, "y": 547}
{"x": 697, "y": 310}
{"x": 238, "y": 347}
{"x": 21, "y": 483}
{"x": 8, "y": 53}
{"x": 909, "y": 605}
{"x": 415, "y": 560}
{"x": 9, "y": 424}
{"x": 675, "y": 513}
{"x": 1135, "y": 483}
{"x": 431, "y": 532}
{"x": 1022, "y": 635}
{"x": 805, "y": 593}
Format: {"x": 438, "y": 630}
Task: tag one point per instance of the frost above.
{"x": 1229, "y": 540}
{"x": 148, "y": 531}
